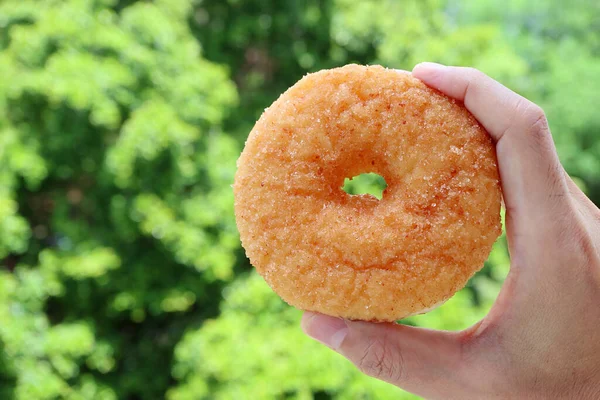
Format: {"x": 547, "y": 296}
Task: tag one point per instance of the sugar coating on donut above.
{"x": 357, "y": 257}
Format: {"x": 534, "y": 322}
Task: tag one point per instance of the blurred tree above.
{"x": 116, "y": 226}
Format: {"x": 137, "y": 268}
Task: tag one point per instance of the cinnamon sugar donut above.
{"x": 357, "y": 257}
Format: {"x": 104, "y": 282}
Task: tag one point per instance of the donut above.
{"x": 354, "y": 256}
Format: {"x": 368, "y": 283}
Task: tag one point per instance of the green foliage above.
{"x": 111, "y": 155}
{"x": 121, "y": 272}
{"x": 369, "y": 183}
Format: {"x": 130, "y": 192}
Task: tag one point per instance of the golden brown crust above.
{"x": 358, "y": 257}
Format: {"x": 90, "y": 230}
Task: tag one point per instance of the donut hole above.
{"x": 367, "y": 183}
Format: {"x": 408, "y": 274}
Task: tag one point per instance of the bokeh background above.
{"x": 121, "y": 271}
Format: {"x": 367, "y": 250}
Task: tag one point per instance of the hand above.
{"x": 541, "y": 338}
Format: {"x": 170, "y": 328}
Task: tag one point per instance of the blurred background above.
{"x": 121, "y": 271}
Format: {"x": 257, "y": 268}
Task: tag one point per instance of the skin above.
{"x": 541, "y": 339}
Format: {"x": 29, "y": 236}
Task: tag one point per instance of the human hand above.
{"x": 541, "y": 338}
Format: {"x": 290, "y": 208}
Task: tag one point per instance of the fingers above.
{"x": 532, "y": 179}
{"x": 497, "y": 108}
{"x": 427, "y": 363}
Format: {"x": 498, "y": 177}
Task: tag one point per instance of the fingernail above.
{"x": 330, "y": 331}
{"x": 431, "y": 66}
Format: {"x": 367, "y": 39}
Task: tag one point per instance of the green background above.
{"x": 121, "y": 272}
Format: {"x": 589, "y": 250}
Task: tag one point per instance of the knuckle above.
{"x": 530, "y": 120}
{"x": 474, "y": 73}
{"x": 536, "y": 124}
{"x": 382, "y": 361}
{"x": 475, "y": 78}
{"x": 531, "y": 127}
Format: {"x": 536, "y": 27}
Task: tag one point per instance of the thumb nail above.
{"x": 330, "y": 331}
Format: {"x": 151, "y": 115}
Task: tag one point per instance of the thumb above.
{"x": 421, "y": 361}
